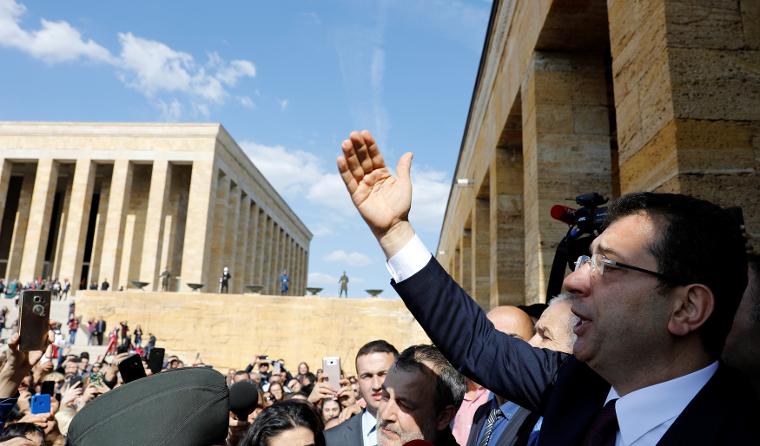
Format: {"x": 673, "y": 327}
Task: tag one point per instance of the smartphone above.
{"x": 156, "y": 359}
{"x": 96, "y": 379}
{"x": 71, "y": 380}
{"x": 34, "y": 319}
{"x": 331, "y": 367}
{"x": 122, "y": 348}
{"x": 40, "y": 403}
{"x": 131, "y": 368}
{"x": 48, "y": 388}
{"x": 276, "y": 367}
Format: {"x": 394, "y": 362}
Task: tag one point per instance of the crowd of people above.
{"x": 651, "y": 342}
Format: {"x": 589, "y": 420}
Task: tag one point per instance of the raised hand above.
{"x": 383, "y": 200}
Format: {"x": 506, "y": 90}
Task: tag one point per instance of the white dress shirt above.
{"x": 369, "y": 429}
{"x": 643, "y": 415}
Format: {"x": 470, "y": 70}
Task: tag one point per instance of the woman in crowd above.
{"x": 276, "y": 390}
{"x": 330, "y": 410}
{"x": 287, "y": 423}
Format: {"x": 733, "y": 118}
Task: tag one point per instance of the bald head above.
{"x": 512, "y": 321}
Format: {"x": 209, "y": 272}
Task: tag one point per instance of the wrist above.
{"x": 395, "y": 238}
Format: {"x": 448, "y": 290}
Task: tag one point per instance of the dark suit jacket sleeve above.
{"x": 503, "y": 364}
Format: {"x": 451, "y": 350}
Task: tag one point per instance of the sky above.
{"x": 288, "y": 79}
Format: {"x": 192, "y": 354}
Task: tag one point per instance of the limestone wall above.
{"x": 228, "y": 330}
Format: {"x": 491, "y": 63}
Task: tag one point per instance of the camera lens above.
{"x": 37, "y": 299}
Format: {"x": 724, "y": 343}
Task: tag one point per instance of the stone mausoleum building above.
{"x": 612, "y": 96}
{"x": 126, "y": 202}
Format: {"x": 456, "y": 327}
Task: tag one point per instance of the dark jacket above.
{"x": 348, "y": 433}
{"x": 564, "y": 390}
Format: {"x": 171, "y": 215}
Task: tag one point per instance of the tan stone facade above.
{"x": 609, "y": 96}
{"x": 228, "y": 330}
{"x": 126, "y": 202}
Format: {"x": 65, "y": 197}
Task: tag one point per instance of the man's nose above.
{"x": 388, "y": 411}
{"x": 377, "y": 383}
{"x": 578, "y": 282}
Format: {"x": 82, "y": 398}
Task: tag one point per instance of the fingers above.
{"x": 350, "y": 148}
{"x": 361, "y": 147}
{"x": 348, "y": 177}
{"x": 13, "y": 342}
{"x": 373, "y": 151}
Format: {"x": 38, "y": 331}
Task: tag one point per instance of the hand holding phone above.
{"x": 331, "y": 368}
{"x": 40, "y": 404}
{"x": 131, "y": 369}
{"x": 34, "y": 320}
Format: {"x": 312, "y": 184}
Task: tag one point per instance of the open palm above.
{"x": 382, "y": 199}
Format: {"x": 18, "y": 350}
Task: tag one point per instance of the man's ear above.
{"x": 692, "y": 306}
{"x": 445, "y": 417}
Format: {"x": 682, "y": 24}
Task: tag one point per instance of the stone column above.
{"x": 465, "y": 265}
{"x": 231, "y": 240}
{"x": 244, "y": 216}
{"x": 58, "y": 257}
{"x": 100, "y": 229}
{"x": 5, "y": 177}
{"x": 18, "y": 239}
{"x": 199, "y": 230}
{"x": 219, "y": 233}
{"x": 566, "y": 150}
{"x": 305, "y": 272}
{"x": 158, "y": 197}
{"x": 507, "y": 230}
{"x": 78, "y": 217}
{"x": 118, "y": 203}
{"x": 250, "y": 252}
{"x": 38, "y": 228}
{"x": 262, "y": 256}
{"x": 686, "y": 93}
{"x": 481, "y": 251}
{"x": 276, "y": 257}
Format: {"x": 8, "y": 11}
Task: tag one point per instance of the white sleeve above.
{"x": 410, "y": 260}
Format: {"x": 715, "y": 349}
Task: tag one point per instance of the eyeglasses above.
{"x": 598, "y": 262}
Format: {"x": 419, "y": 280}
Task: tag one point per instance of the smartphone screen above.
{"x": 131, "y": 368}
{"x": 156, "y": 359}
{"x": 331, "y": 367}
{"x": 34, "y": 318}
{"x": 40, "y": 403}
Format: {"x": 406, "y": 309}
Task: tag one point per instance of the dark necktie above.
{"x": 493, "y": 417}
{"x": 604, "y": 428}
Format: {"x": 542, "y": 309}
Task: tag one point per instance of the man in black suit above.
{"x": 655, "y": 301}
{"x": 742, "y": 347}
{"x": 373, "y": 361}
{"x": 100, "y": 328}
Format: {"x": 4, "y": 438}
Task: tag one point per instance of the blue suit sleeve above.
{"x": 508, "y": 366}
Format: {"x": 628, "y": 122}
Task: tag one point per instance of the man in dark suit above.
{"x": 373, "y": 361}
{"x": 655, "y": 302}
{"x": 742, "y": 348}
{"x": 100, "y": 328}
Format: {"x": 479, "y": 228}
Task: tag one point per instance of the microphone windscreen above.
{"x": 418, "y": 443}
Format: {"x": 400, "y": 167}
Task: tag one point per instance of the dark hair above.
{"x": 699, "y": 242}
{"x": 283, "y": 416}
{"x": 20, "y": 430}
{"x": 449, "y": 383}
{"x": 377, "y": 346}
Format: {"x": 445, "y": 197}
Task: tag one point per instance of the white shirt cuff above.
{"x": 409, "y": 261}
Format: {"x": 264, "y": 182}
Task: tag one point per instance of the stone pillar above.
{"x": 686, "y": 93}
{"x": 252, "y": 247}
{"x": 5, "y": 177}
{"x": 219, "y": 233}
{"x": 18, "y": 239}
{"x": 465, "y": 265}
{"x": 158, "y": 197}
{"x": 566, "y": 150}
{"x": 231, "y": 236}
{"x": 457, "y": 261}
{"x": 266, "y": 271}
{"x": 78, "y": 217}
{"x": 261, "y": 252}
{"x": 199, "y": 230}
{"x": 305, "y": 272}
{"x": 38, "y": 228}
{"x": 66, "y": 211}
{"x": 507, "y": 231}
{"x": 100, "y": 229}
{"x": 481, "y": 251}
{"x": 118, "y": 204}
{"x": 244, "y": 215}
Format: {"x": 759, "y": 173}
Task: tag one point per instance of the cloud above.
{"x": 349, "y": 258}
{"x": 298, "y": 173}
{"x": 430, "y": 194}
{"x": 283, "y": 103}
{"x": 53, "y": 42}
{"x": 150, "y": 67}
{"x": 246, "y": 102}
